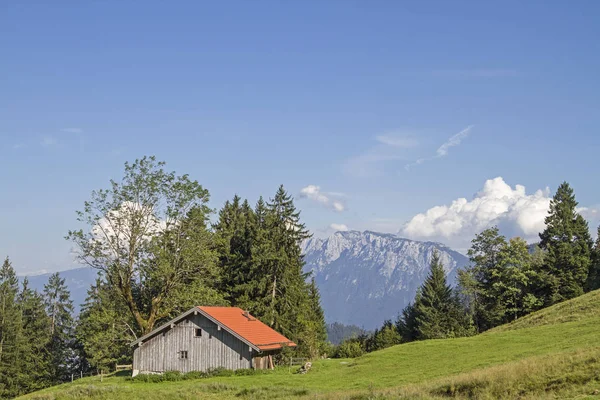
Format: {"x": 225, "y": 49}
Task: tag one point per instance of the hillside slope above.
{"x": 551, "y": 354}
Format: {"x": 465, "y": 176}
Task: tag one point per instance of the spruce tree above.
{"x": 593, "y": 281}
{"x": 439, "y": 313}
{"x": 567, "y": 245}
{"x": 59, "y": 308}
{"x": 11, "y": 338}
{"x": 34, "y": 358}
{"x": 313, "y": 334}
{"x": 406, "y": 325}
{"x": 104, "y": 328}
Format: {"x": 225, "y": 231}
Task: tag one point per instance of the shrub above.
{"x": 194, "y": 375}
{"x": 172, "y": 376}
{"x": 349, "y": 349}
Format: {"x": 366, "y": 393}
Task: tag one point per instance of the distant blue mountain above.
{"x": 364, "y": 277}
{"x": 78, "y": 281}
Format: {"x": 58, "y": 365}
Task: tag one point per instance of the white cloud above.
{"x": 442, "y": 151}
{"x": 48, "y": 141}
{"x": 389, "y": 148}
{"x": 314, "y": 193}
{"x": 396, "y": 141}
{"x": 513, "y": 210}
{"x": 72, "y": 130}
{"x": 338, "y": 227}
{"x": 114, "y": 230}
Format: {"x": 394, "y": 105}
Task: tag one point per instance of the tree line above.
{"x": 158, "y": 252}
{"x": 151, "y": 238}
{"x": 506, "y": 279}
{"x": 38, "y": 347}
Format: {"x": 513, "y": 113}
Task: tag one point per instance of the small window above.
{"x": 183, "y": 354}
{"x": 198, "y": 332}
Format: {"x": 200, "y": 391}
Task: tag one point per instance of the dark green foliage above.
{"x": 567, "y": 246}
{"x": 35, "y": 359}
{"x": 437, "y": 312}
{"x": 338, "y": 332}
{"x": 478, "y": 280}
{"x": 104, "y": 328}
{"x": 350, "y": 348}
{"x": 407, "y": 322}
{"x": 500, "y": 285}
{"x": 59, "y": 309}
{"x": 11, "y": 335}
{"x": 261, "y": 268}
{"x": 593, "y": 281}
{"x": 25, "y": 359}
{"x": 384, "y": 337}
{"x": 148, "y": 235}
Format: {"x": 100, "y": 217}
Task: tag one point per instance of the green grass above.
{"x": 550, "y": 354}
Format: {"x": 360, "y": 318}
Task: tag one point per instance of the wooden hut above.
{"x": 208, "y": 337}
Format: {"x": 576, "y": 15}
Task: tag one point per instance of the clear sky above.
{"x": 375, "y": 115}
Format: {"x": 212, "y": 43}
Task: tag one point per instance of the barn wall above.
{"x": 215, "y": 348}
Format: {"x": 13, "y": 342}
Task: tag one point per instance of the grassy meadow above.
{"x": 551, "y": 354}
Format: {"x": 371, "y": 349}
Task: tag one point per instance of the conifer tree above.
{"x": 11, "y": 339}
{"x": 593, "y": 281}
{"x": 34, "y": 357}
{"x": 567, "y": 245}
{"x": 439, "y": 313}
{"x": 261, "y": 263}
{"x": 406, "y": 325}
{"x": 312, "y": 319}
{"x": 235, "y": 233}
{"x": 59, "y": 308}
{"x": 384, "y": 337}
{"x": 105, "y": 328}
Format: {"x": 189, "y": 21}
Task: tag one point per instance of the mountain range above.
{"x": 364, "y": 277}
{"x": 367, "y": 277}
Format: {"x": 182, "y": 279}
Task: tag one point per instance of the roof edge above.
{"x": 166, "y": 325}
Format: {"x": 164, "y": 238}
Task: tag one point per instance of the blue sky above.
{"x": 340, "y": 95}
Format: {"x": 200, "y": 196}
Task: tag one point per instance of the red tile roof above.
{"x": 247, "y": 327}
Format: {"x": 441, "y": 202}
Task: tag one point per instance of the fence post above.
{"x": 71, "y": 378}
{"x": 81, "y": 373}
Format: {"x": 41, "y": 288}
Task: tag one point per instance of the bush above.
{"x": 349, "y": 349}
{"x": 172, "y": 376}
{"x": 194, "y": 375}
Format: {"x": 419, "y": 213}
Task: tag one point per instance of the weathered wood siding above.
{"x": 215, "y": 348}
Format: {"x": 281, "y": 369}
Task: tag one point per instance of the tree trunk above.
{"x": 273, "y": 300}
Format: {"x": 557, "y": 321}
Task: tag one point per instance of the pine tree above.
{"x": 105, "y": 328}
{"x": 34, "y": 358}
{"x": 406, "y": 325}
{"x": 593, "y": 281}
{"x": 313, "y": 334}
{"x": 59, "y": 308}
{"x": 439, "y": 313}
{"x": 11, "y": 339}
{"x": 235, "y": 235}
{"x": 261, "y": 263}
{"x": 567, "y": 245}
{"x": 384, "y": 337}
